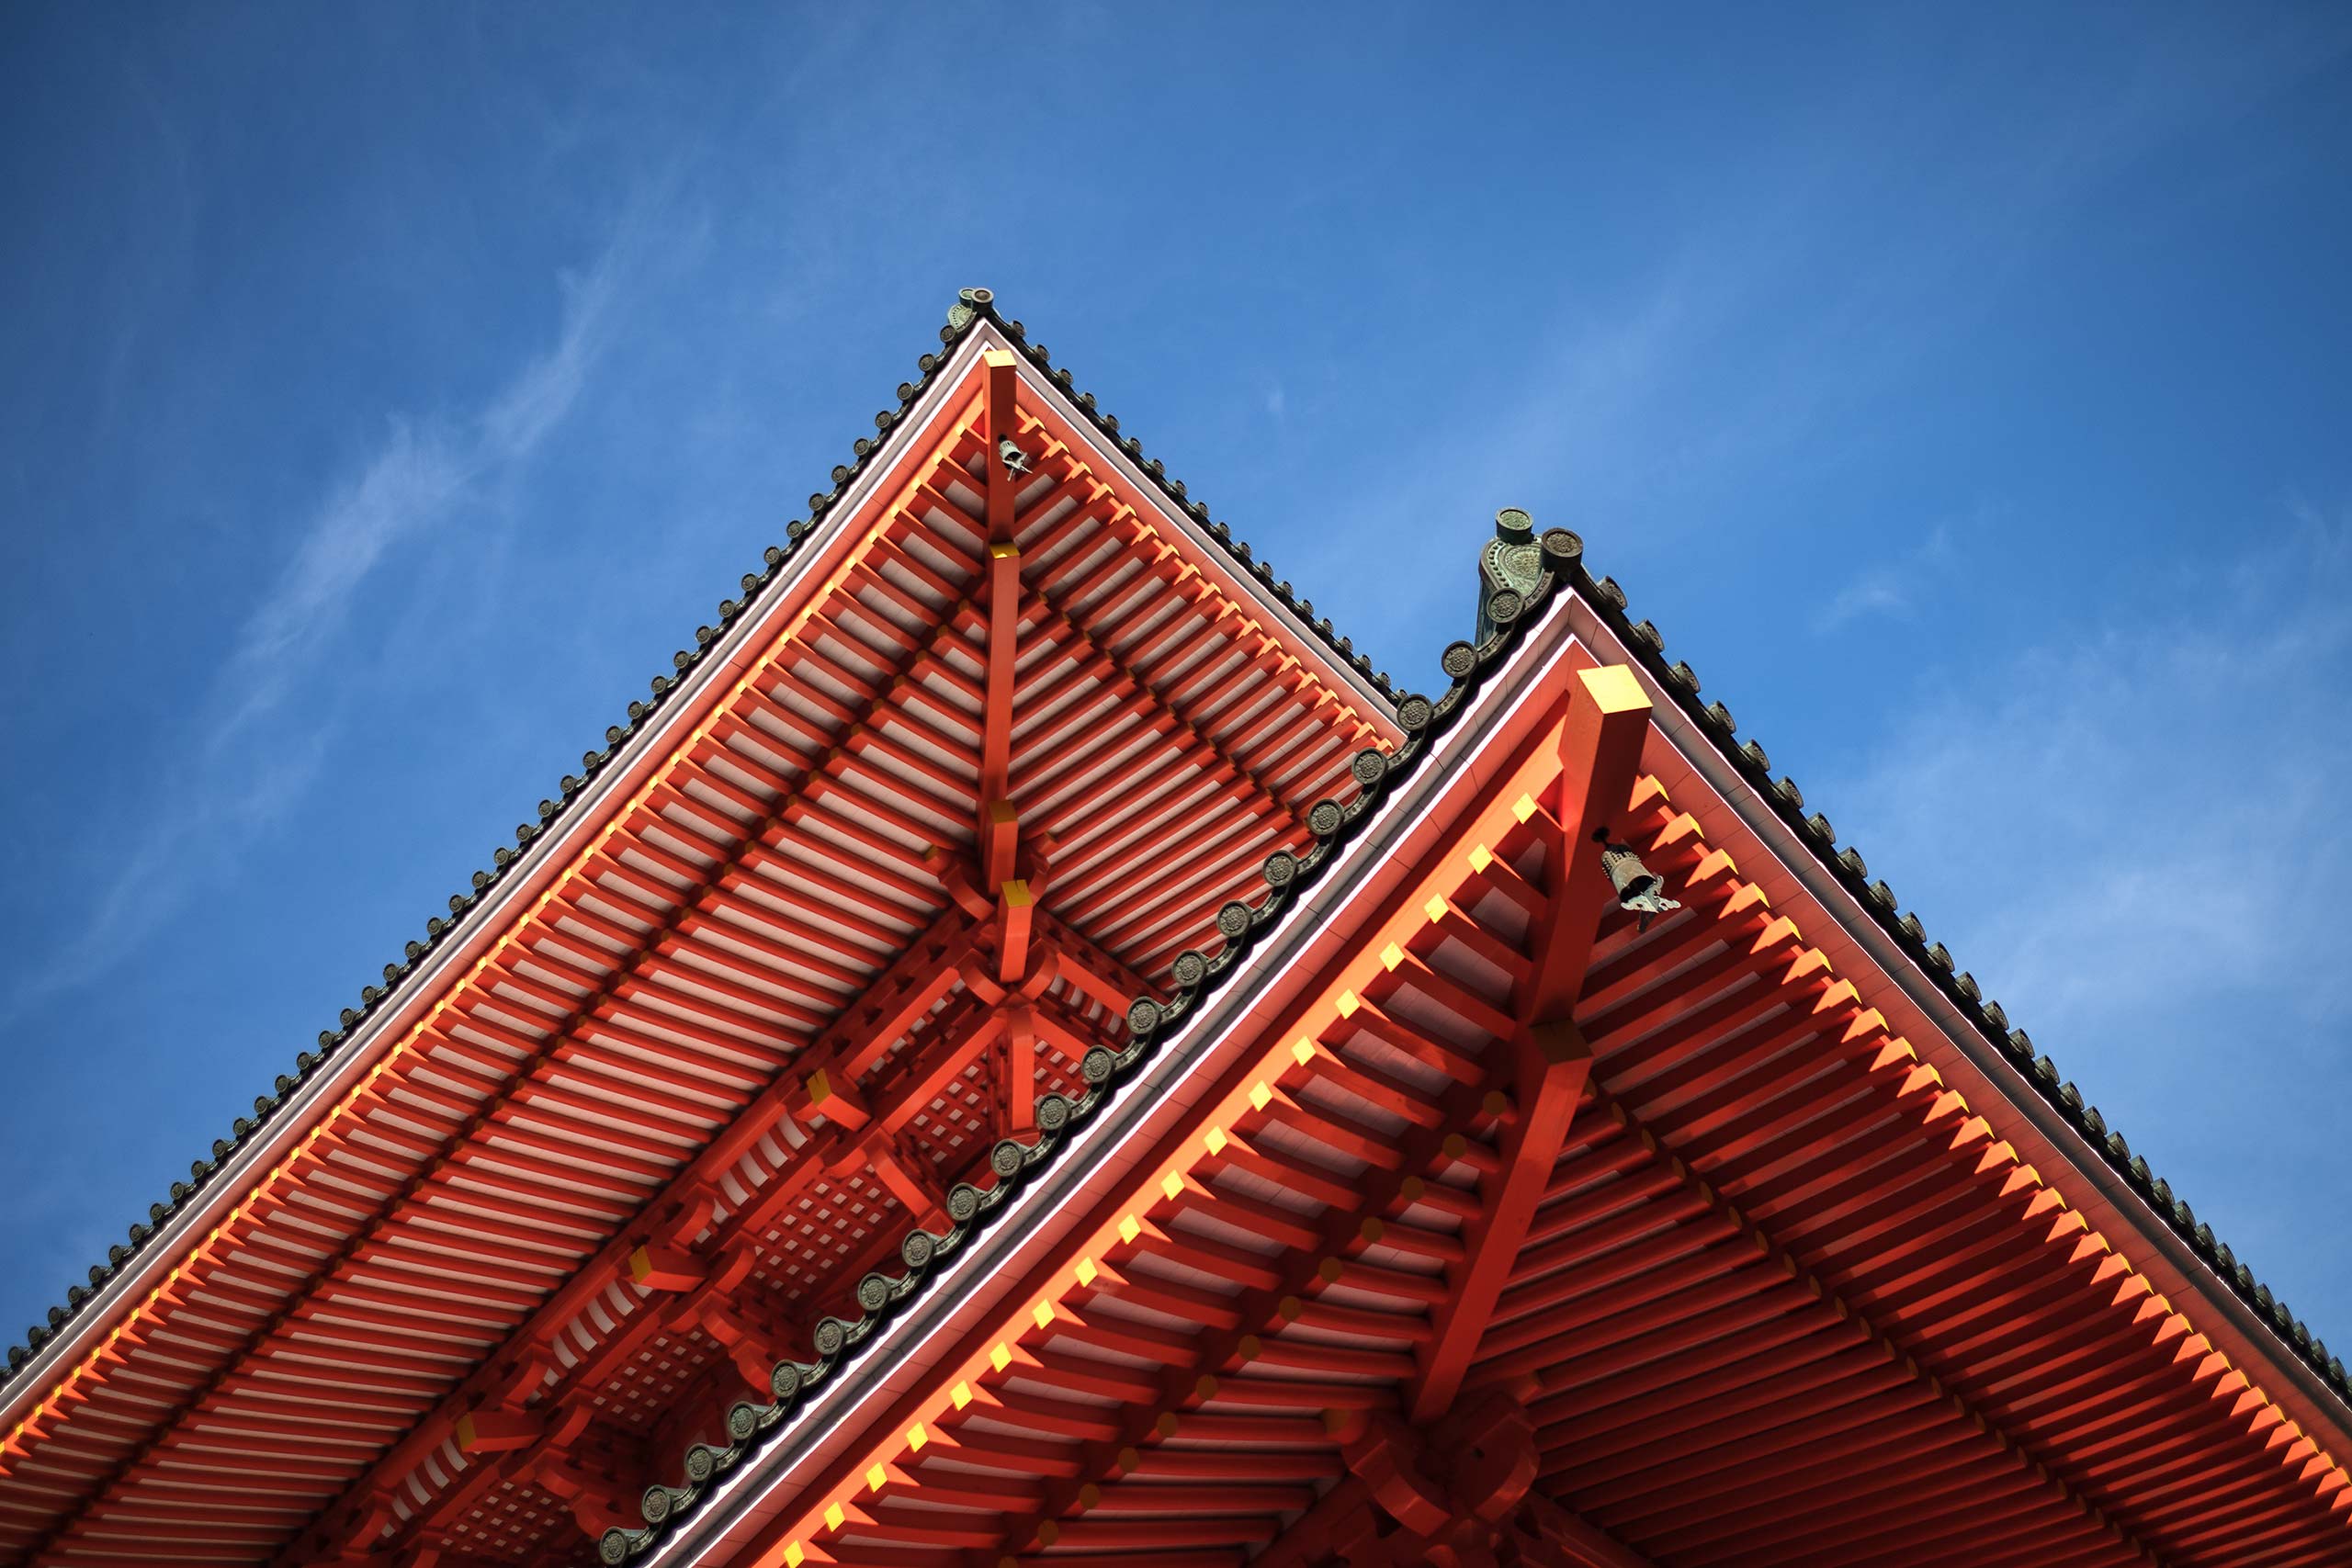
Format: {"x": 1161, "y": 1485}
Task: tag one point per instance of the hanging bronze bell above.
{"x": 1639, "y": 890}
{"x": 1009, "y": 452}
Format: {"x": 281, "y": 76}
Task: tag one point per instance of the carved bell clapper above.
{"x": 1639, "y": 891}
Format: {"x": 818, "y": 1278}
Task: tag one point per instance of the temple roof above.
{"x": 1846, "y": 864}
{"x": 972, "y": 307}
{"x": 1514, "y": 594}
{"x": 791, "y": 873}
{"x": 1522, "y": 584}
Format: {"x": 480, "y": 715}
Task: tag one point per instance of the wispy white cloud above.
{"x": 1763, "y": 331}
{"x": 411, "y": 482}
{"x": 2148, "y": 808}
{"x": 270, "y": 715}
{"x": 1891, "y": 589}
{"x": 535, "y": 400}
{"x": 417, "y": 479}
{"x": 2132, "y": 833}
{"x": 1590, "y": 396}
{"x": 1880, "y": 591}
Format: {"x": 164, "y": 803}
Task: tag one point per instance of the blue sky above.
{"x": 385, "y": 393}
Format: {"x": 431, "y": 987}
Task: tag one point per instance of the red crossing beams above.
{"x": 1458, "y": 1489}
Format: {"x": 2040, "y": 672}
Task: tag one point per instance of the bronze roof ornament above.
{"x": 1508, "y": 569}
{"x": 1513, "y": 567}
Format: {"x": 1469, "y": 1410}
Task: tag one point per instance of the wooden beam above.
{"x": 929, "y": 1074}
{"x": 1204, "y": 1369}
{"x": 1584, "y": 1544}
{"x": 1004, "y": 626}
{"x": 1017, "y": 1092}
{"x": 1459, "y": 1492}
{"x": 1015, "y": 910}
{"x": 1002, "y": 376}
{"x": 1600, "y": 752}
{"x": 909, "y": 1178}
{"x": 998, "y": 829}
{"x": 1553, "y": 1065}
{"x": 598, "y": 1498}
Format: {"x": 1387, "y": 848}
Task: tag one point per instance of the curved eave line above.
{"x": 188, "y": 1212}
{"x": 2170, "y": 1221}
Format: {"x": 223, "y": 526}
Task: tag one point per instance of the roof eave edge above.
{"x": 358, "y": 1054}
{"x": 1961, "y": 1033}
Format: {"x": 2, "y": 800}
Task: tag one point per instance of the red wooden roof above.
{"x": 1718, "y": 1267}
{"x": 1025, "y": 1052}
{"x": 989, "y": 760}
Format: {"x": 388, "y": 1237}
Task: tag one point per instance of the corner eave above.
{"x": 2018, "y": 1110}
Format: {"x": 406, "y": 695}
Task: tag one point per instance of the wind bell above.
{"x": 1639, "y": 891}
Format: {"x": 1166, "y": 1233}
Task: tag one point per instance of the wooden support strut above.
{"x": 1017, "y": 1093}
{"x": 1004, "y": 646}
{"x": 998, "y": 830}
{"x": 1002, "y": 374}
{"x": 1004, "y": 596}
{"x": 1600, "y": 750}
{"x": 1015, "y": 912}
